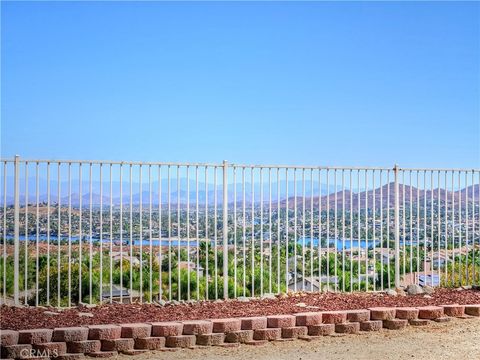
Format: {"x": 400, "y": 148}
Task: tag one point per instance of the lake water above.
{"x": 355, "y": 243}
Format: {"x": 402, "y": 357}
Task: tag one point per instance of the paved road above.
{"x": 458, "y": 339}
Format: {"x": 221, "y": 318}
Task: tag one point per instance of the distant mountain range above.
{"x": 159, "y": 191}
{"x": 384, "y": 195}
{"x": 319, "y": 193}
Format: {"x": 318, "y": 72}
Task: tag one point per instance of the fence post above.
{"x": 16, "y": 247}
{"x": 397, "y": 227}
{"x": 225, "y": 229}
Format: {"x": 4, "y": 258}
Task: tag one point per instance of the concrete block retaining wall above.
{"x": 108, "y": 340}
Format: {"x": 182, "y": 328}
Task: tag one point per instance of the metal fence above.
{"x": 106, "y": 231}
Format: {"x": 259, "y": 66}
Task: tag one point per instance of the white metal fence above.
{"x": 95, "y": 231}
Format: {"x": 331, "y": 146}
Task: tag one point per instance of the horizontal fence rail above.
{"x": 100, "y": 231}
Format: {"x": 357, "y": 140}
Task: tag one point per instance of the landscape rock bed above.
{"x": 21, "y": 318}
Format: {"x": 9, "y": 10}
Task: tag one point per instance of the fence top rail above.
{"x": 111, "y": 162}
{"x": 234, "y": 165}
{"x": 440, "y": 169}
{"x": 354, "y": 168}
{"x": 309, "y": 167}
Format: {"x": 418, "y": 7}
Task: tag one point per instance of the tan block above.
{"x": 382, "y": 313}
{"x": 35, "y": 336}
{"x": 254, "y": 323}
{"x": 164, "y": 329}
{"x": 197, "y": 327}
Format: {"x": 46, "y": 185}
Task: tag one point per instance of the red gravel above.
{"x": 18, "y": 318}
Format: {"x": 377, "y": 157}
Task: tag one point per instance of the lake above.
{"x": 340, "y": 243}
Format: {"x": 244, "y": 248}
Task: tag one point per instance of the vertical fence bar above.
{"x": 478, "y": 219}
{"x": 48, "y": 235}
{"x": 215, "y": 231}
{"x": 295, "y": 229}
{"x": 446, "y": 228}
{"x": 225, "y": 230}
{"x": 328, "y": 231}
{"x": 397, "y": 228}
{"x": 404, "y": 214}
{"x": 460, "y": 226}
{"x": 121, "y": 235}
{"x": 131, "y": 233}
{"x": 140, "y": 231}
{"x": 179, "y": 238}
{"x": 150, "y": 245}
{"x": 16, "y": 248}
{"x": 59, "y": 236}
{"x": 69, "y": 235}
{"x": 319, "y": 247}
{"x": 439, "y": 227}
{"x": 424, "y": 226}
{"x": 261, "y": 231}
{"x": 160, "y": 256}
{"x": 335, "y": 230}
{"x": 351, "y": 231}
{"x": 374, "y": 221}
{"x": 431, "y": 229}
{"x": 286, "y": 230}
{"x": 381, "y": 232}
{"x": 278, "y": 232}
{"x": 303, "y": 230}
{"x": 366, "y": 230}
{"x": 311, "y": 231}
{"x": 453, "y": 230}
{"x": 111, "y": 239}
{"x": 197, "y": 232}
{"x": 473, "y": 227}
{"x": 90, "y": 237}
{"x": 101, "y": 233}
{"x": 235, "y": 231}
{"x": 418, "y": 227}
{"x": 252, "y": 254}
{"x": 343, "y": 230}
{"x": 270, "y": 229}
{"x": 27, "y": 237}
{"x": 244, "y": 233}
{"x": 388, "y": 230}
{"x": 169, "y": 234}
{"x": 80, "y": 293}
{"x": 207, "y": 240}
{"x": 359, "y": 232}
{"x": 411, "y": 221}
{"x": 37, "y": 233}
{"x": 466, "y": 230}
{"x": 187, "y": 224}
{"x": 5, "y": 233}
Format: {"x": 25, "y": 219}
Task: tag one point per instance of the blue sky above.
{"x": 269, "y": 83}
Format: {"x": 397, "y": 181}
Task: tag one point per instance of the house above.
{"x": 438, "y": 262}
{"x": 386, "y": 258}
{"x": 191, "y": 266}
{"x": 120, "y": 294}
{"x": 312, "y": 283}
{"x": 429, "y": 279}
{"x": 425, "y": 277}
{"x": 117, "y": 256}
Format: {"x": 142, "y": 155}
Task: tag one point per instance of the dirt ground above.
{"x": 458, "y": 339}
